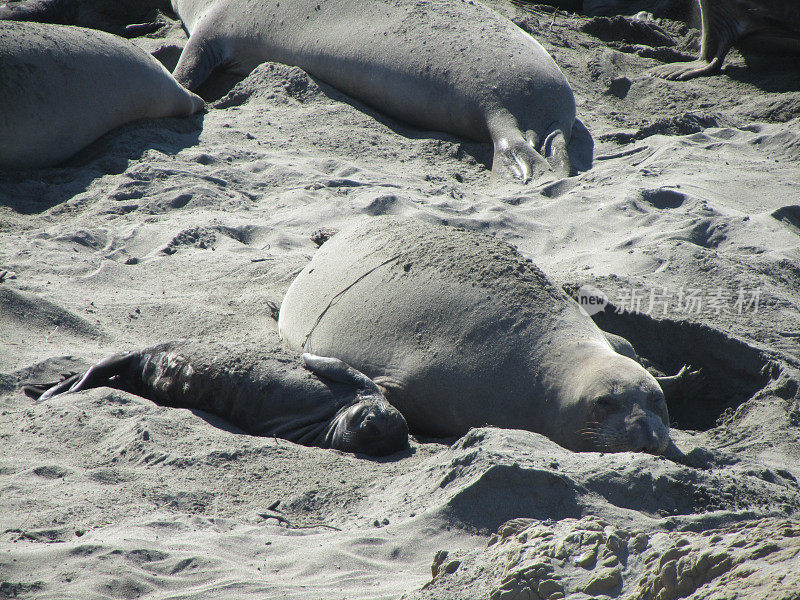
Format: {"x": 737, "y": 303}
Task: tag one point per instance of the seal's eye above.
{"x": 659, "y": 405}
{"x": 604, "y": 403}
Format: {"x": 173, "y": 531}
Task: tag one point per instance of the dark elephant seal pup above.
{"x": 61, "y": 88}
{"x": 462, "y": 331}
{"x": 265, "y": 393}
{"x": 760, "y": 25}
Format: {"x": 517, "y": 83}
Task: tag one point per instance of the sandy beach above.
{"x": 688, "y": 222}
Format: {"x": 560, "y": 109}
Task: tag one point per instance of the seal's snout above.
{"x": 653, "y": 442}
{"x": 649, "y": 431}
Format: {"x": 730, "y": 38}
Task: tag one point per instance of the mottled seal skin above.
{"x": 446, "y": 65}
{"x": 462, "y": 331}
{"x": 761, "y": 25}
{"x": 264, "y": 393}
{"x": 63, "y": 87}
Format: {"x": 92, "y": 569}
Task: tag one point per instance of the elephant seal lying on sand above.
{"x": 126, "y": 18}
{"x": 264, "y": 393}
{"x": 446, "y": 65}
{"x": 764, "y": 26}
{"x": 61, "y": 88}
{"x": 461, "y": 331}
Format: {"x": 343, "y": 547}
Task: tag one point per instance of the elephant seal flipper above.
{"x": 765, "y": 26}
{"x": 684, "y": 384}
{"x": 337, "y": 370}
{"x": 267, "y": 393}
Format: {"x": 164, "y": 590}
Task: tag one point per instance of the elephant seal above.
{"x": 461, "y": 331}
{"x": 757, "y": 24}
{"x": 446, "y": 65}
{"x": 126, "y": 18}
{"x": 63, "y": 87}
{"x": 263, "y": 392}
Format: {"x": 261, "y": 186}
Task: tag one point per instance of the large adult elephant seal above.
{"x": 461, "y": 331}
{"x": 761, "y": 25}
{"x": 264, "y": 392}
{"x": 446, "y": 65}
{"x": 63, "y": 87}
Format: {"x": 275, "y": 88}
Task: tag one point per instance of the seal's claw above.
{"x": 686, "y": 383}
{"x": 519, "y": 160}
{"x": 686, "y": 70}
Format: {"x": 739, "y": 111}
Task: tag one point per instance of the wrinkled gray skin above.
{"x": 446, "y": 65}
{"x": 61, "y": 88}
{"x": 462, "y": 331}
{"x": 760, "y": 25}
{"x": 267, "y": 395}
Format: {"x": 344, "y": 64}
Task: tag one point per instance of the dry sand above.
{"x": 192, "y": 227}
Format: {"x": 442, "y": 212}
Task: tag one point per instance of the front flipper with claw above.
{"x": 517, "y": 159}
{"x": 720, "y": 26}
{"x": 685, "y": 384}
{"x": 684, "y": 71}
{"x": 338, "y": 370}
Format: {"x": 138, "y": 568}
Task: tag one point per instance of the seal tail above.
{"x": 108, "y": 372}
{"x": 37, "y": 390}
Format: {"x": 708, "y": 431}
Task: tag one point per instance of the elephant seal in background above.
{"x": 61, "y": 88}
{"x": 758, "y": 24}
{"x": 264, "y": 393}
{"x": 126, "y": 18}
{"x": 461, "y": 331}
{"x": 445, "y": 65}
